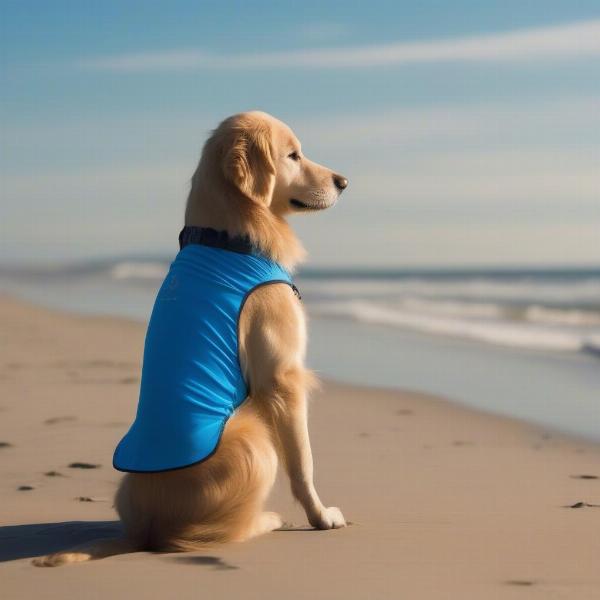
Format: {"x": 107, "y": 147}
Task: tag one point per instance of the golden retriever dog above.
{"x": 252, "y": 174}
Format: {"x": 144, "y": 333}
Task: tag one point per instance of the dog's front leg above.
{"x": 290, "y": 422}
{"x": 272, "y": 337}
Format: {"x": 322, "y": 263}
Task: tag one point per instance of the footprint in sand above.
{"x": 53, "y": 474}
{"x": 582, "y": 505}
{"x": 520, "y": 582}
{"x": 55, "y": 420}
{"x": 584, "y": 477}
{"x": 14, "y": 365}
{"x": 215, "y": 562}
{"x": 404, "y": 411}
{"x": 91, "y": 499}
{"x": 83, "y": 465}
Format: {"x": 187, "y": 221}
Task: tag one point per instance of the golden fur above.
{"x": 250, "y": 176}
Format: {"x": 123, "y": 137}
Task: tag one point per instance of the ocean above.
{"x": 518, "y": 342}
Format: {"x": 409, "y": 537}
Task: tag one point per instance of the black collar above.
{"x": 206, "y": 236}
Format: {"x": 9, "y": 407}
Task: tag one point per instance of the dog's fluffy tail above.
{"x": 90, "y": 551}
{"x": 219, "y": 500}
{"x": 216, "y": 501}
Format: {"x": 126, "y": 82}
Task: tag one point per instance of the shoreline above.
{"x": 446, "y": 501}
{"x": 534, "y": 386}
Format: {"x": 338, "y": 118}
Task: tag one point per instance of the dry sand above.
{"x": 444, "y": 502}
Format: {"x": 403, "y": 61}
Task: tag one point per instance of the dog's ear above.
{"x": 248, "y": 163}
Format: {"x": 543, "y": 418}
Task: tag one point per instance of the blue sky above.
{"x": 470, "y": 131}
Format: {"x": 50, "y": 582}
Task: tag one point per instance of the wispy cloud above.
{"x": 572, "y": 40}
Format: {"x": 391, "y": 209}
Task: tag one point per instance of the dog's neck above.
{"x": 222, "y": 207}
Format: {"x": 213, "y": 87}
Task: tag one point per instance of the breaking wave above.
{"x": 533, "y": 329}
{"x": 542, "y": 310}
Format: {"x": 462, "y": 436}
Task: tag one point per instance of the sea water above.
{"x": 519, "y": 342}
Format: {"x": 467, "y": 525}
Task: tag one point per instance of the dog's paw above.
{"x": 329, "y": 518}
{"x": 270, "y": 521}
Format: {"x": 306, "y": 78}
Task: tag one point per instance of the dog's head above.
{"x": 262, "y": 158}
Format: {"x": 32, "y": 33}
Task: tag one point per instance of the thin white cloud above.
{"x": 572, "y": 40}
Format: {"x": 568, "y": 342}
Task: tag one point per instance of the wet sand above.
{"x": 444, "y": 502}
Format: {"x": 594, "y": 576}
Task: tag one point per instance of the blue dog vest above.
{"x": 191, "y": 376}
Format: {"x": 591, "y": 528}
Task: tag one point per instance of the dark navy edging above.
{"x": 196, "y": 462}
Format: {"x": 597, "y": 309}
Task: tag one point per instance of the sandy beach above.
{"x": 444, "y": 502}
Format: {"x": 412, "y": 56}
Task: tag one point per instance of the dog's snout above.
{"x": 341, "y": 183}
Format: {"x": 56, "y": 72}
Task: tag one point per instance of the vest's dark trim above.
{"x": 192, "y": 464}
{"x": 207, "y": 236}
{"x": 214, "y": 450}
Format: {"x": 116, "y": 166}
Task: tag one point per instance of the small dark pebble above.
{"x": 585, "y": 477}
{"x": 5, "y": 445}
{"x": 521, "y": 582}
{"x": 82, "y": 465}
{"x": 53, "y": 474}
{"x": 25, "y": 488}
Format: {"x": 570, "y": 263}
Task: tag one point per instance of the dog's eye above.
{"x": 294, "y": 155}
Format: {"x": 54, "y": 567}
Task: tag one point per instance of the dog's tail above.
{"x": 93, "y": 550}
{"x": 219, "y": 500}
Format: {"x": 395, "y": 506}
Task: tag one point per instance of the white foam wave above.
{"x": 543, "y": 314}
{"x": 138, "y": 270}
{"x": 452, "y": 308}
{"x": 519, "y": 334}
{"x": 523, "y": 290}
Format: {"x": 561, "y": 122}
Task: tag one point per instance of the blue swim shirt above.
{"x": 191, "y": 376}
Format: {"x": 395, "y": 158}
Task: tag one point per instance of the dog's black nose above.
{"x": 341, "y": 183}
